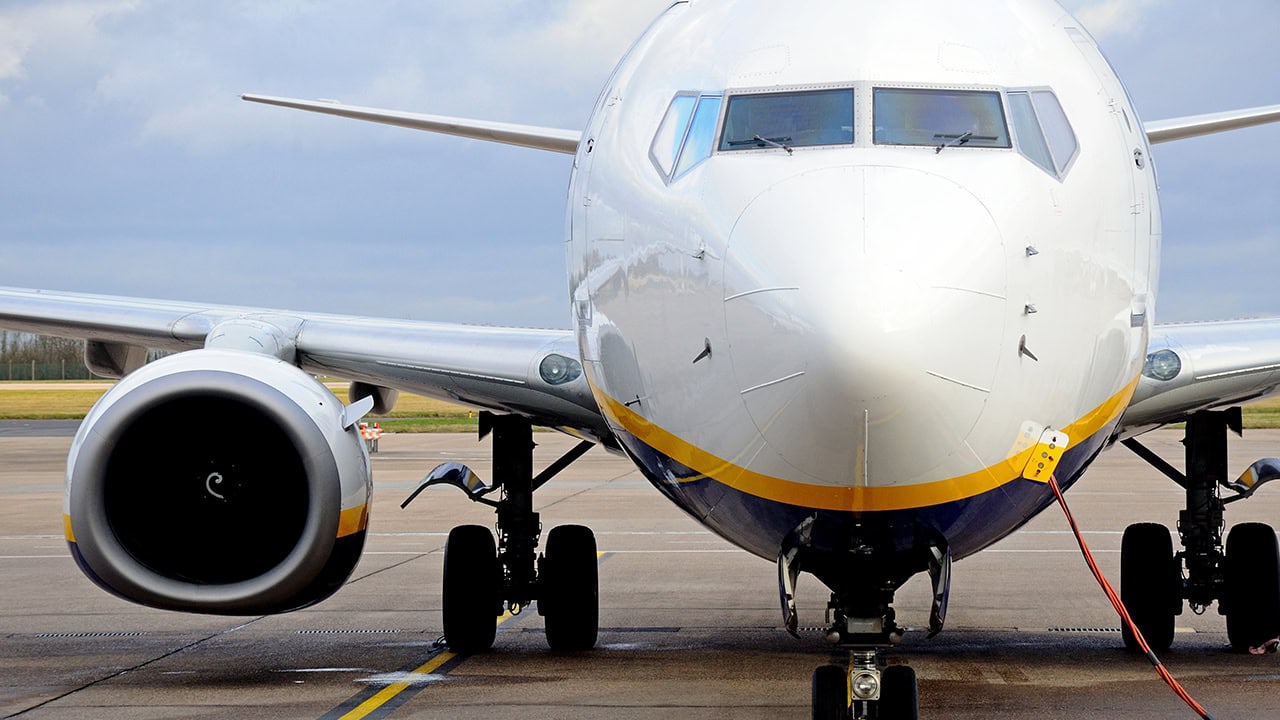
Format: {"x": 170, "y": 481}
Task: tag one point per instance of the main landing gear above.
{"x": 1244, "y": 579}
{"x": 863, "y": 577}
{"x": 482, "y": 578}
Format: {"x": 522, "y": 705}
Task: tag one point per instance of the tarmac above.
{"x": 690, "y": 626}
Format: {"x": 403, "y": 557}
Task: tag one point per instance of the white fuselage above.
{"x": 887, "y": 325}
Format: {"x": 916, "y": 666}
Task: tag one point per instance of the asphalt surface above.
{"x": 690, "y": 625}
{"x": 38, "y": 428}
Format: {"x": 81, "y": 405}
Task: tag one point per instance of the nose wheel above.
{"x": 862, "y": 690}
{"x": 899, "y": 694}
{"x": 831, "y": 693}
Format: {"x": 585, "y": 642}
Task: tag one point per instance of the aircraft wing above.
{"x": 538, "y": 138}
{"x": 494, "y": 368}
{"x": 1200, "y": 366}
{"x": 1196, "y": 125}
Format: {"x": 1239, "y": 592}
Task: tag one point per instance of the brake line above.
{"x": 1160, "y": 669}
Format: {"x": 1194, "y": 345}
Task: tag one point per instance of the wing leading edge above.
{"x": 494, "y": 368}
{"x": 539, "y": 138}
{"x": 1201, "y": 366}
{"x": 1191, "y": 126}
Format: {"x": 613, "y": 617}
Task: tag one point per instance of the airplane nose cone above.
{"x": 865, "y": 310}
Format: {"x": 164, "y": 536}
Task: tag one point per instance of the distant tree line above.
{"x": 24, "y": 356}
{"x": 25, "y": 347}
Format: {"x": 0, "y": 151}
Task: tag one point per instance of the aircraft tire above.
{"x": 1149, "y": 585}
{"x": 830, "y": 693}
{"x": 570, "y": 602}
{"x": 899, "y": 694}
{"x": 1251, "y": 596}
{"x": 472, "y": 585}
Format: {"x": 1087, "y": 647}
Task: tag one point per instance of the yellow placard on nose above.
{"x": 1046, "y": 456}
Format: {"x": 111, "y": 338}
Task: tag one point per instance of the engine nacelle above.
{"x": 218, "y": 481}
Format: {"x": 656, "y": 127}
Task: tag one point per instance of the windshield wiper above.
{"x": 763, "y": 141}
{"x": 775, "y": 142}
{"x": 952, "y": 140}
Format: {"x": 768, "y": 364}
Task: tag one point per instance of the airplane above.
{"x": 849, "y": 283}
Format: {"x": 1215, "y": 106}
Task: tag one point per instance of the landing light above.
{"x": 865, "y": 686}
{"x": 558, "y": 369}
{"x": 1163, "y": 365}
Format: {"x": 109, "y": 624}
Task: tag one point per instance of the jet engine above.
{"x": 218, "y": 481}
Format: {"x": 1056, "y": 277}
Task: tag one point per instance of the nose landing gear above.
{"x": 860, "y": 618}
{"x": 865, "y": 688}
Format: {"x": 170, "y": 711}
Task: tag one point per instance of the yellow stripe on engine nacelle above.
{"x": 353, "y": 520}
{"x": 66, "y": 529}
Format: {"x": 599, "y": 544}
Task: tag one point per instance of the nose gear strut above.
{"x": 860, "y": 619}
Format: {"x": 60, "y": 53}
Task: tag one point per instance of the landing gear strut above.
{"x": 1244, "y": 579}
{"x": 863, "y": 577}
{"x": 481, "y": 578}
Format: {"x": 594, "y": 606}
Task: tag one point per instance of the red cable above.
{"x": 1161, "y": 670}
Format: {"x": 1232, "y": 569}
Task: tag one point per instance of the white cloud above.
{"x": 1112, "y": 17}
{"x": 513, "y": 63}
{"x": 12, "y": 50}
{"x": 67, "y": 30}
{"x": 174, "y": 70}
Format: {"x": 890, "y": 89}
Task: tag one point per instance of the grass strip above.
{"x": 413, "y": 413}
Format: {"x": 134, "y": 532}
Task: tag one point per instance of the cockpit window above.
{"x": 686, "y": 135}
{"x": 1030, "y": 138}
{"x": 702, "y": 134}
{"x": 1057, "y": 129}
{"x": 952, "y": 118}
{"x": 1044, "y": 133}
{"x": 666, "y": 144}
{"x": 788, "y": 120}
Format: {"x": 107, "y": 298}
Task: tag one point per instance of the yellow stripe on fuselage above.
{"x": 861, "y": 499}
{"x": 353, "y": 520}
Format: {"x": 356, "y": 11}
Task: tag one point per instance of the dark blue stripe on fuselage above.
{"x": 759, "y": 525}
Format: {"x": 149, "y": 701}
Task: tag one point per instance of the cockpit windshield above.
{"x": 939, "y": 118}
{"x": 788, "y": 120}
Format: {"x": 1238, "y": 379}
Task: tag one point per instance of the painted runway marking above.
{"x": 1073, "y": 551}
{"x": 401, "y": 686}
{"x": 383, "y": 701}
{"x": 443, "y": 534}
{"x": 670, "y": 551}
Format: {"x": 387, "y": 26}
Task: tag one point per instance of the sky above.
{"x": 129, "y": 166}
